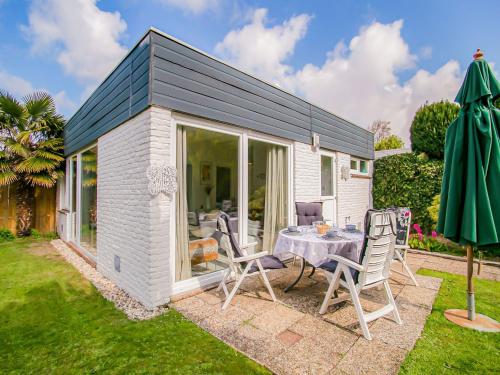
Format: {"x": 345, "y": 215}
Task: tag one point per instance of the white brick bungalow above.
{"x": 237, "y": 143}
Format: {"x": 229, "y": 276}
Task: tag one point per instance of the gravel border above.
{"x": 130, "y": 306}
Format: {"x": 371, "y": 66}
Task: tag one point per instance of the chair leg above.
{"x": 238, "y": 283}
{"x": 266, "y": 280}
{"x": 331, "y": 288}
{"x": 390, "y": 299}
{"x": 222, "y": 284}
{"x": 357, "y": 303}
{"x": 405, "y": 266}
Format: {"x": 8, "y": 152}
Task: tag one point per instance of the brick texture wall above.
{"x": 132, "y": 224}
{"x": 354, "y": 194}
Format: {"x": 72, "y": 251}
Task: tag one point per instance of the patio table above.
{"x": 314, "y": 248}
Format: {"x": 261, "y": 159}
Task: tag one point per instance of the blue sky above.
{"x": 364, "y": 60}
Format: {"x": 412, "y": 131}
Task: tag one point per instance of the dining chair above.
{"x": 308, "y": 212}
{"x": 403, "y": 224}
{"x": 241, "y": 264}
{"x": 372, "y": 270}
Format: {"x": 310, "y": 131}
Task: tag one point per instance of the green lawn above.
{"x": 54, "y": 321}
{"x": 445, "y": 348}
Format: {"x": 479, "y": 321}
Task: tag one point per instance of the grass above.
{"x": 54, "y": 321}
{"x": 446, "y": 348}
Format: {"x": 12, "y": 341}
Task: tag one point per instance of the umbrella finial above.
{"x": 478, "y": 55}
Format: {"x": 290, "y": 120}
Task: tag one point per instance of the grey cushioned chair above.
{"x": 308, "y": 212}
{"x": 241, "y": 264}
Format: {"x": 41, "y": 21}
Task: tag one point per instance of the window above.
{"x": 359, "y": 166}
{"x": 241, "y": 175}
{"x": 326, "y": 175}
{"x": 267, "y": 192}
{"x": 363, "y": 166}
{"x": 88, "y": 200}
{"x": 207, "y": 163}
{"x": 82, "y": 181}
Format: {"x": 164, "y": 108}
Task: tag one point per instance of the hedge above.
{"x": 428, "y": 129}
{"x": 406, "y": 180}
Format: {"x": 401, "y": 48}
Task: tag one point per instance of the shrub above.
{"x": 428, "y": 129}
{"x": 405, "y": 180}
{"x": 6, "y": 235}
{"x": 391, "y": 142}
{"x": 433, "y": 209}
{"x": 35, "y": 234}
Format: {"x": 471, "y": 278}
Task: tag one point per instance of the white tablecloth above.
{"x": 315, "y": 249}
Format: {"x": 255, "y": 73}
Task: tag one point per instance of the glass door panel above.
{"x": 210, "y": 170}
{"x": 267, "y": 193}
{"x": 88, "y": 200}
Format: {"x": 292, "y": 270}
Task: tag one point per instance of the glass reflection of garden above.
{"x": 88, "y": 200}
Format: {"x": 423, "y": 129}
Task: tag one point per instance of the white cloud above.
{"x": 84, "y": 38}
{"x": 19, "y": 87}
{"x": 426, "y": 52}
{"x": 358, "y": 81}
{"x": 263, "y": 50}
{"x": 193, "y": 6}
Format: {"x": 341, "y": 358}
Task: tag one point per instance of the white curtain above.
{"x": 275, "y": 210}
{"x": 182, "y": 260}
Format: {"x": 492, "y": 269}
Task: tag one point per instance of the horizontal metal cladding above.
{"x": 340, "y": 135}
{"x": 123, "y": 94}
{"x": 186, "y": 80}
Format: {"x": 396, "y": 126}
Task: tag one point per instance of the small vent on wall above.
{"x": 117, "y": 263}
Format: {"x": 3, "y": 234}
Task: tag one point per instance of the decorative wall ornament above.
{"x": 345, "y": 173}
{"x": 162, "y": 178}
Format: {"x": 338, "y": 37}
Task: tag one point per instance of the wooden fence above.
{"x": 44, "y": 214}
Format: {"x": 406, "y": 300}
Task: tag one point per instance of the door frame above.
{"x": 334, "y": 197}
{"x": 178, "y": 119}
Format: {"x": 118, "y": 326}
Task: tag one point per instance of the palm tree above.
{"x": 31, "y": 146}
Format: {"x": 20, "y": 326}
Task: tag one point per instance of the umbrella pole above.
{"x": 471, "y": 304}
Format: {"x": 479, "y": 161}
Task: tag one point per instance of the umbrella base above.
{"x": 482, "y": 322}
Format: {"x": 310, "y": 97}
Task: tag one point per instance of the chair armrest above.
{"x": 345, "y": 261}
{"x": 246, "y": 258}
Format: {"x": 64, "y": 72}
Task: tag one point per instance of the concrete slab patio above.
{"x": 290, "y": 337}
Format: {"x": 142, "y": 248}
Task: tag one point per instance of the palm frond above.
{"x": 7, "y": 177}
{"x": 12, "y": 111}
{"x": 38, "y": 103}
{"x": 49, "y": 155}
{"x": 4, "y": 165}
{"x": 17, "y": 148}
{"x": 45, "y": 180}
{"x": 54, "y": 144}
{"x": 24, "y": 137}
{"x": 36, "y": 164}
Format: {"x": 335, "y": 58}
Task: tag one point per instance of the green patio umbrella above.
{"x": 469, "y": 212}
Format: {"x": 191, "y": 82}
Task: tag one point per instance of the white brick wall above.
{"x": 354, "y": 194}
{"x": 307, "y": 183}
{"x": 131, "y": 223}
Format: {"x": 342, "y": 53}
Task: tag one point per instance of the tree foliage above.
{"x": 391, "y": 142}
{"x": 380, "y": 129}
{"x": 407, "y": 180}
{"x": 428, "y": 129}
{"x": 31, "y": 140}
{"x": 31, "y": 149}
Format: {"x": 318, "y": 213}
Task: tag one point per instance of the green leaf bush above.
{"x": 391, "y": 142}
{"x": 6, "y": 235}
{"x": 428, "y": 129}
{"x": 407, "y": 180}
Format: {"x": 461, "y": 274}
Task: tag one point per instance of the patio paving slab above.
{"x": 290, "y": 337}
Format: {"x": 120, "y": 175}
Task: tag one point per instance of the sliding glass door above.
{"x": 82, "y": 182}
{"x": 208, "y": 169}
{"x": 243, "y": 176}
{"x": 267, "y": 193}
